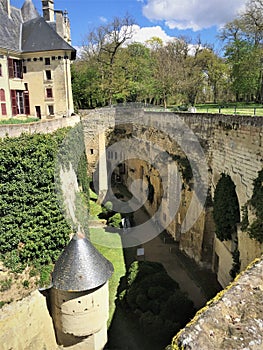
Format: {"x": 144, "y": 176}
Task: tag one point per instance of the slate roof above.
{"x": 80, "y": 267}
{"x": 25, "y": 31}
{"x": 10, "y": 28}
{"x": 37, "y": 35}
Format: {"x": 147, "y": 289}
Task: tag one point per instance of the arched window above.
{"x": 2, "y": 95}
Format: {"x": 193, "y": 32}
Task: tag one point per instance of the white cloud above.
{"x": 145, "y": 33}
{"x": 103, "y": 19}
{"x": 192, "y": 14}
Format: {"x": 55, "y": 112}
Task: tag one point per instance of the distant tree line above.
{"x": 113, "y": 69}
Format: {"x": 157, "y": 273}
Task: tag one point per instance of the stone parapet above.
{"x": 43, "y": 126}
{"x": 232, "y": 320}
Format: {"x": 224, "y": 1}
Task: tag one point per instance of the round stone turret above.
{"x": 80, "y": 297}
{"x": 81, "y": 267}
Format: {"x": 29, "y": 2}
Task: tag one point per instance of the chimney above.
{"x": 48, "y": 10}
{"x": 6, "y": 6}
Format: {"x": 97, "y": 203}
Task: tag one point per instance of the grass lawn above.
{"x": 116, "y": 257}
{"x": 251, "y": 109}
{"x": 106, "y": 242}
{"x": 19, "y": 121}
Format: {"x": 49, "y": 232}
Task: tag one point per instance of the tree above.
{"x": 216, "y": 75}
{"x": 104, "y": 43}
{"x": 243, "y": 37}
{"x": 85, "y": 84}
{"x": 135, "y": 73}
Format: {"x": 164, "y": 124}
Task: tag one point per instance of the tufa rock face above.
{"x": 233, "y": 320}
{"x": 27, "y": 325}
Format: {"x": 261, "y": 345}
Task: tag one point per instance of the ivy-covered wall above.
{"x": 33, "y": 229}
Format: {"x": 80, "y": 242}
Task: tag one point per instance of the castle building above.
{"x": 35, "y": 58}
{"x": 79, "y": 296}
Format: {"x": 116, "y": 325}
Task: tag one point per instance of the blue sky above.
{"x": 162, "y": 18}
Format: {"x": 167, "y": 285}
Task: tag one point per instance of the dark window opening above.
{"x": 24, "y": 69}
{"x": 49, "y": 93}
{"x": 51, "y": 110}
{"x": 48, "y": 74}
{"x": 47, "y": 61}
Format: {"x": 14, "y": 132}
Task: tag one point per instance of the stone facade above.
{"x": 35, "y": 76}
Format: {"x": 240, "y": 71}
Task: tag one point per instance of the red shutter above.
{"x": 13, "y": 101}
{"x": 3, "y": 109}
{"x": 26, "y": 103}
{"x": 10, "y": 68}
{"x": 2, "y": 95}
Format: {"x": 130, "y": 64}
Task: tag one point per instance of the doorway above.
{"x": 38, "y": 111}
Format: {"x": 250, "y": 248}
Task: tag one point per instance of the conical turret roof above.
{"x": 29, "y": 11}
{"x": 80, "y": 266}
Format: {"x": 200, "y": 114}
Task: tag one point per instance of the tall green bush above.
{"x": 226, "y": 208}
{"x": 255, "y": 230}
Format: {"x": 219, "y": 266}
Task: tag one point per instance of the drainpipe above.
{"x": 66, "y": 86}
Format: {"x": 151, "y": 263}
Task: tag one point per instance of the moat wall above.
{"x": 231, "y": 145}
